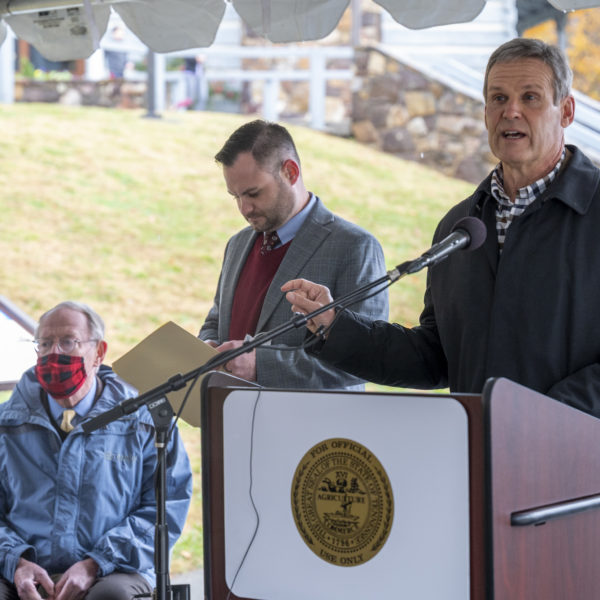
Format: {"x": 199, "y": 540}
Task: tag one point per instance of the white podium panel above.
{"x": 422, "y": 444}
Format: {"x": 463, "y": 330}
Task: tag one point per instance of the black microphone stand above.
{"x": 162, "y": 412}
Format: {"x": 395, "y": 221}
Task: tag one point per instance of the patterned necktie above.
{"x": 67, "y": 417}
{"x": 270, "y": 240}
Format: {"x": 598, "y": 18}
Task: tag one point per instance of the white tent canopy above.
{"x": 70, "y": 29}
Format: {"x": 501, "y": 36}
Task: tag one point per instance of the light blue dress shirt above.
{"x": 81, "y": 408}
{"x": 288, "y": 231}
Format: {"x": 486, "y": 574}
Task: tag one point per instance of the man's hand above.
{"x": 305, "y": 297}
{"x": 243, "y": 366}
{"x": 76, "y": 580}
{"x": 27, "y": 576}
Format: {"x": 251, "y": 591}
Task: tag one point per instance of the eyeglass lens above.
{"x": 65, "y": 345}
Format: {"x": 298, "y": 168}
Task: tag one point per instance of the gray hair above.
{"x": 94, "y": 320}
{"x": 554, "y": 57}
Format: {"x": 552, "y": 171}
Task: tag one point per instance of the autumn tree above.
{"x": 583, "y": 47}
{"x": 583, "y": 35}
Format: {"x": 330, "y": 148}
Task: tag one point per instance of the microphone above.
{"x": 467, "y": 233}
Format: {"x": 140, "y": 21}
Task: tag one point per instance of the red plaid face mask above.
{"x": 60, "y": 375}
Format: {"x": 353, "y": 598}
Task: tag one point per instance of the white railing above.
{"x": 317, "y": 74}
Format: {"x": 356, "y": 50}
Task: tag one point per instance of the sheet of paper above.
{"x": 166, "y": 352}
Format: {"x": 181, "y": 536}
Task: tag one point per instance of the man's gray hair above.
{"x": 95, "y": 322}
{"x": 554, "y": 57}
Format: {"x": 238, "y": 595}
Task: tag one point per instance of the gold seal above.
{"x": 342, "y": 502}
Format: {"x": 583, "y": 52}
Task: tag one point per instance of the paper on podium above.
{"x": 166, "y": 352}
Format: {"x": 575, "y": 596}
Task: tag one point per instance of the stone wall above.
{"x": 109, "y": 93}
{"x": 399, "y": 110}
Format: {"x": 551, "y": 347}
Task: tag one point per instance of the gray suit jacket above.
{"x": 327, "y": 250}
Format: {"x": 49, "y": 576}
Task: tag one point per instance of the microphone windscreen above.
{"x": 476, "y": 230}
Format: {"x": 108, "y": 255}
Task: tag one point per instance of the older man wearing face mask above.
{"x": 77, "y": 511}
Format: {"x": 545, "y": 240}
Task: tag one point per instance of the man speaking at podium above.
{"x": 524, "y": 305}
{"x": 291, "y": 234}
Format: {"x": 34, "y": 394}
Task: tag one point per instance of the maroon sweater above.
{"x": 252, "y": 286}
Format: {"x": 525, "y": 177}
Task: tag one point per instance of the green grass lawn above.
{"x": 131, "y": 216}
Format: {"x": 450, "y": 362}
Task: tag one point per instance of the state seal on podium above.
{"x": 342, "y": 502}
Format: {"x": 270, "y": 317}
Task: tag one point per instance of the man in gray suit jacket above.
{"x": 291, "y": 235}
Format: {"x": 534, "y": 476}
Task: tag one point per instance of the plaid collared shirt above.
{"x": 507, "y": 211}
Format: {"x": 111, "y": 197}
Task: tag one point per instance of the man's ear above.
{"x": 567, "y": 111}
{"x": 100, "y": 353}
{"x": 290, "y": 170}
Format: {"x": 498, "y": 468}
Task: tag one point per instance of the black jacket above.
{"x": 530, "y": 316}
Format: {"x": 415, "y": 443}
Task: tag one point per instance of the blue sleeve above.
{"x": 129, "y": 546}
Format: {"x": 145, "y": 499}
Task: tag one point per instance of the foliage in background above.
{"x": 583, "y": 47}
{"x": 131, "y": 215}
{"x": 584, "y": 51}
{"x": 28, "y": 71}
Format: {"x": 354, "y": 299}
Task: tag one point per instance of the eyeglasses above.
{"x": 65, "y": 344}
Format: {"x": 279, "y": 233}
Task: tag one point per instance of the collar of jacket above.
{"x": 576, "y": 186}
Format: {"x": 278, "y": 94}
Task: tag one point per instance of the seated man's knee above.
{"x": 119, "y": 586}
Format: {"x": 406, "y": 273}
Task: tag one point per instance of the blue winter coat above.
{"x": 89, "y": 496}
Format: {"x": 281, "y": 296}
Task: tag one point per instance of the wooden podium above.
{"x": 495, "y": 496}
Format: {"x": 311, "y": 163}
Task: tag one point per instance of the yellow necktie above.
{"x": 67, "y": 417}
